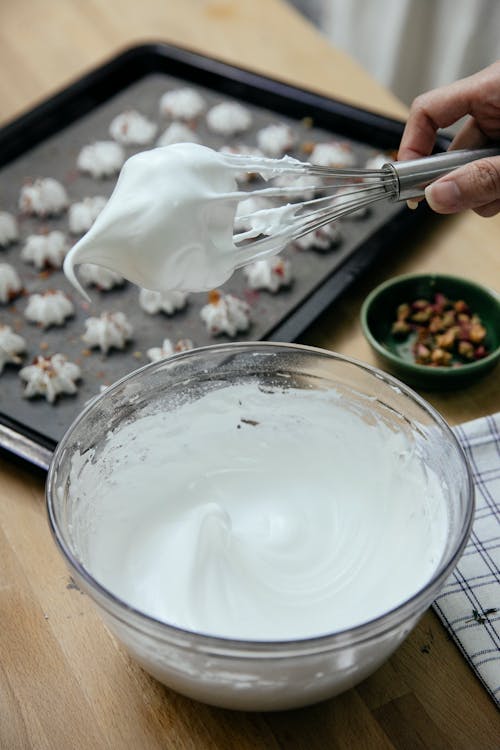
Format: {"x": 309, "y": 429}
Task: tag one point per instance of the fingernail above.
{"x": 443, "y": 196}
{"x": 413, "y": 204}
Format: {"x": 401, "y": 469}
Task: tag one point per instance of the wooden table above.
{"x": 64, "y": 682}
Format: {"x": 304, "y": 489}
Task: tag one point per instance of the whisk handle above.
{"x": 413, "y": 176}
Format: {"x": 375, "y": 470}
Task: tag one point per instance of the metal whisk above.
{"x": 272, "y": 228}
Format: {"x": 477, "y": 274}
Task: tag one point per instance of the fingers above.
{"x": 429, "y": 112}
{"x": 478, "y": 95}
{"x": 476, "y": 186}
{"x": 470, "y": 135}
{"x": 412, "y": 203}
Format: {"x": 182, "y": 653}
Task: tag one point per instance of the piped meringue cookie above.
{"x": 228, "y": 118}
{"x": 43, "y": 197}
{"x": 111, "y": 330}
{"x": 45, "y": 250}
{"x": 131, "y": 128}
{"x": 10, "y": 283}
{"x": 82, "y": 215}
{"x": 154, "y": 302}
{"x": 276, "y": 139}
{"x": 323, "y": 239}
{"x": 9, "y": 232}
{"x": 11, "y": 346}
{"x": 102, "y": 278}
{"x": 50, "y": 308}
{"x": 50, "y": 377}
{"x": 182, "y": 104}
{"x": 270, "y": 274}
{"x": 333, "y": 154}
{"x": 167, "y": 349}
{"x": 177, "y": 132}
{"x": 101, "y": 159}
{"x": 225, "y": 313}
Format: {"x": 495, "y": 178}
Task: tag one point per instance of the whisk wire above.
{"x": 299, "y": 227}
{"x": 344, "y": 191}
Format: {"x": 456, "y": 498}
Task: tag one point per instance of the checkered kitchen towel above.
{"x": 469, "y": 604}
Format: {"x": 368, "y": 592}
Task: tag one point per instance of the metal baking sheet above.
{"x": 46, "y": 142}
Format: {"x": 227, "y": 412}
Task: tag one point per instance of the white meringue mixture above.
{"x": 169, "y": 222}
{"x": 244, "y": 514}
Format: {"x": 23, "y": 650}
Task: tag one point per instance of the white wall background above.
{"x": 411, "y": 46}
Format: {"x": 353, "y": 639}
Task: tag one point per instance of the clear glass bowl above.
{"x": 256, "y": 675}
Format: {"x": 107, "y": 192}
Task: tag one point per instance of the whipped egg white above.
{"x": 263, "y": 516}
{"x": 169, "y": 223}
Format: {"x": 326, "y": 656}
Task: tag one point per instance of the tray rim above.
{"x": 71, "y": 102}
{"x": 183, "y": 55}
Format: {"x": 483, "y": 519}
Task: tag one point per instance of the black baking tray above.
{"x": 102, "y": 84}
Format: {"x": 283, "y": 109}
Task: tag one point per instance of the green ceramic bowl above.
{"x": 379, "y": 311}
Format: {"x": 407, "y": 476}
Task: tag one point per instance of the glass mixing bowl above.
{"x": 238, "y": 674}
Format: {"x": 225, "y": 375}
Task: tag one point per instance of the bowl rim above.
{"x": 141, "y": 621}
{"x": 467, "y": 368}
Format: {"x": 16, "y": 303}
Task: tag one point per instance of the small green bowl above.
{"x": 379, "y": 311}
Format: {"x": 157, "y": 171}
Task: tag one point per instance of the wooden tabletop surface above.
{"x": 64, "y": 682}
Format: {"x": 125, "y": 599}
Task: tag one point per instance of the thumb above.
{"x": 475, "y": 185}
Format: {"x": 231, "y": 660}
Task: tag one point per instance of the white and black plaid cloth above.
{"x": 469, "y": 604}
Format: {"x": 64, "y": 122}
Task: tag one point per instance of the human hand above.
{"x": 476, "y": 185}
